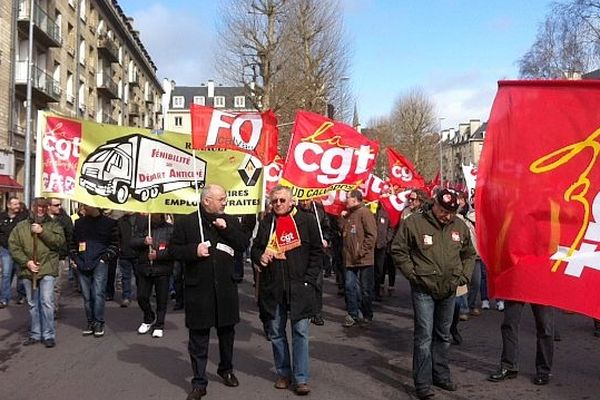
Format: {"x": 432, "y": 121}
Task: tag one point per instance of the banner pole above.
{"x": 197, "y": 195}
{"x": 318, "y": 222}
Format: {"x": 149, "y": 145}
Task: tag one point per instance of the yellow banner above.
{"x": 134, "y": 169}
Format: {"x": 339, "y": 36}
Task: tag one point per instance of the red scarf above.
{"x": 286, "y": 236}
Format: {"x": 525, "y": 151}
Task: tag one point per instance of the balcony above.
{"x": 133, "y": 109}
{"x": 108, "y": 49}
{"x": 45, "y": 88}
{"x": 106, "y": 86}
{"x": 106, "y": 118}
{"x": 133, "y": 80}
{"x": 45, "y": 29}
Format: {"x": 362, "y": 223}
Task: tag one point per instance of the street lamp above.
{"x": 441, "y": 163}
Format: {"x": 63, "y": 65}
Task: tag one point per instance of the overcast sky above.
{"x": 455, "y": 50}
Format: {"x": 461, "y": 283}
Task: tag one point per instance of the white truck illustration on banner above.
{"x": 139, "y": 166}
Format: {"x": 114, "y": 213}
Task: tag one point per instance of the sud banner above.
{"x": 133, "y": 169}
{"x": 538, "y": 194}
{"x": 325, "y": 155}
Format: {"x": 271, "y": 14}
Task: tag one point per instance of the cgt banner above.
{"x": 134, "y": 169}
{"x": 538, "y": 194}
{"x": 325, "y": 155}
{"x": 402, "y": 172}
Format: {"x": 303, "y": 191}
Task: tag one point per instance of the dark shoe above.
{"x": 541, "y": 379}
{"x": 597, "y": 332}
{"x": 446, "y": 385}
{"x": 377, "y": 299}
{"x": 423, "y": 394}
{"x": 317, "y": 320}
{"x": 49, "y": 343}
{"x": 365, "y": 323}
{"x": 229, "y": 379}
{"x": 125, "y": 303}
{"x": 456, "y": 336}
{"x": 29, "y": 341}
{"x": 282, "y": 383}
{"x": 502, "y": 374}
{"x": 3, "y": 304}
{"x": 341, "y": 292}
{"x": 196, "y": 394}
{"x": 99, "y": 329}
{"x": 88, "y": 330}
{"x": 557, "y": 337}
{"x": 475, "y": 312}
{"x": 21, "y": 300}
{"x": 302, "y": 389}
{"x": 177, "y": 307}
{"x": 109, "y": 298}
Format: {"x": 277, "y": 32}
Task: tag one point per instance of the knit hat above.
{"x": 447, "y": 199}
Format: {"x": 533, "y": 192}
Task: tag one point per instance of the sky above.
{"x": 453, "y": 50}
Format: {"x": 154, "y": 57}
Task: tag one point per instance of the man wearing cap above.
{"x": 434, "y": 252}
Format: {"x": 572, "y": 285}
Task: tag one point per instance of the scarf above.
{"x": 285, "y": 237}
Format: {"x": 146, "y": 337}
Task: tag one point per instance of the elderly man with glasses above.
{"x": 288, "y": 253}
{"x": 205, "y": 242}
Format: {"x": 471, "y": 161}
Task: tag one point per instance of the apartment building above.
{"x": 87, "y": 62}
{"x": 460, "y": 147}
{"x": 177, "y": 101}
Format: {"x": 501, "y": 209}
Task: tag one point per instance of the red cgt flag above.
{"x": 325, "y": 155}
{"x": 253, "y": 133}
{"x": 402, "y": 172}
{"x": 537, "y": 195}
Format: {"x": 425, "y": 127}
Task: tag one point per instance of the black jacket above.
{"x": 211, "y": 294}
{"x": 67, "y": 224}
{"x": 7, "y": 224}
{"x": 161, "y": 241}
{"x": 128, "y": 226}
{"x": 94, "y": 239}
{"x": 294, "y": 279}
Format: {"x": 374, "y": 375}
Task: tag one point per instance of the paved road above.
{"x": 357, "y": 363}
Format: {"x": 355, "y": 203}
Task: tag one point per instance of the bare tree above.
{"x": 288, "y": 54}
{"x": 567, "y": 42}
{"x": 412, "y": 129}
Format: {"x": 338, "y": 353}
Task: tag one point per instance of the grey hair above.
{"x": 208, "y": 189}
{"x": 280, "y": 188}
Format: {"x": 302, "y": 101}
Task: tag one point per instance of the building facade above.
{"x": 177, "y": 101}
{"x": 87, "y": 61}
{"x": 460, "y": 147}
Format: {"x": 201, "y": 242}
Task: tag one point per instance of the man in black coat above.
{"x": 289, "y": 253}
{"x": 211, "y": 293}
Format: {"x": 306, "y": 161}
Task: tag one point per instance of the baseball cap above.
{"x": 447, "y": 199}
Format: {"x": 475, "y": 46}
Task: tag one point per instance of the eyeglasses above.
{"x": 55, "y": 205}
{"x": 280, "y": 201}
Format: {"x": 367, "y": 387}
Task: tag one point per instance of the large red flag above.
{"x": 537, "y": 194}
{"x": 325, "y": 155}
{"x": 402, "y": 172}
{"x": 253, "y": 133}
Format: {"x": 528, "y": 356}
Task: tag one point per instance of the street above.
{"x": 356, "y": 363}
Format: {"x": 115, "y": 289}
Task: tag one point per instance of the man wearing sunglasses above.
{"x": 289, "y": 253}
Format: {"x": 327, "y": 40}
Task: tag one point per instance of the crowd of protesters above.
{"x": 198, "y": 260}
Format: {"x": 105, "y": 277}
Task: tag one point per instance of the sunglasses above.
{"x": 55, "y": 205}
{"x": 280, "y": 201}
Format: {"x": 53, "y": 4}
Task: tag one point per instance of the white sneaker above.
{"x": 144, "y": 328}
{"x": 157, "y": 333}
{"x": 485, "y": 305}
{"x": 500, "y": 305}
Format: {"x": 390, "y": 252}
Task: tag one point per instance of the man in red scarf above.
{"x": 288, "y": 253}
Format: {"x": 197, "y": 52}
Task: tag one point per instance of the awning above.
{"x": 8, "y": 184}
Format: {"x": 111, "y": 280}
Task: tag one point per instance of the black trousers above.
{"x": 145, "y": 284}
{"x": 544, "y": 324}
{"x": 198, "y": 349}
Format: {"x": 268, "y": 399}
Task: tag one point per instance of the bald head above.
{"x": 213, "y": 199}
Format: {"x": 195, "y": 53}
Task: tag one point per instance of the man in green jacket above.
{"x": 434, "y": 252}
{"x": 34, "y": 245}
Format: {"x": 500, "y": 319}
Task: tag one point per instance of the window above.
{"x": 70, "y": 93}
{"x": 239, "y": 102}
{"x": 81, "y": 95}
{"x": 58, "y": 20}
{"x": 200, "y": 100}
{"x": 179, "y": 121}
{"x": 82, "y": 48}
{"x": 219, "y": 101}
{"x": 120, "y": 89}
{"x": 82, "y": 10}
{"x": 178, "y": 101}
{"x": 120, "y": 55}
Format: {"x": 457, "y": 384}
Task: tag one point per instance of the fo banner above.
{"x": 537, "y": 195}
{"x": 325, "y": 155}
{"x": 133, "y": 169}
{"x": 253, "y": 133}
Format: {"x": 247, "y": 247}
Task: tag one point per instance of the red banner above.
{"x": 273, "y": 174}
{"x": 253, "y": 133}
{"x": 537, "y": 194}
{"x": 60, "y": 148}
{"x": 402, "y": 172}
{"x": 373, "y": 188}
{"x": 326, "y": 155}
{"x": 394, "y": 204}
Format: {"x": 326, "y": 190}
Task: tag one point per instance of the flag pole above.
{"x": 197, "y": 194}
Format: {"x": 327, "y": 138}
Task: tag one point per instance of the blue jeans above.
{"x": 281, "y": 351}
{"x": 93, "y": 286}
{"x": 359, "y": 291}
{"x": 484, "y": 288}
{"x": 41, "y": 308}
{"x": 126, "y": 267}
{"x": 431, "y": 337}
{"x": 8, "y": 272}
